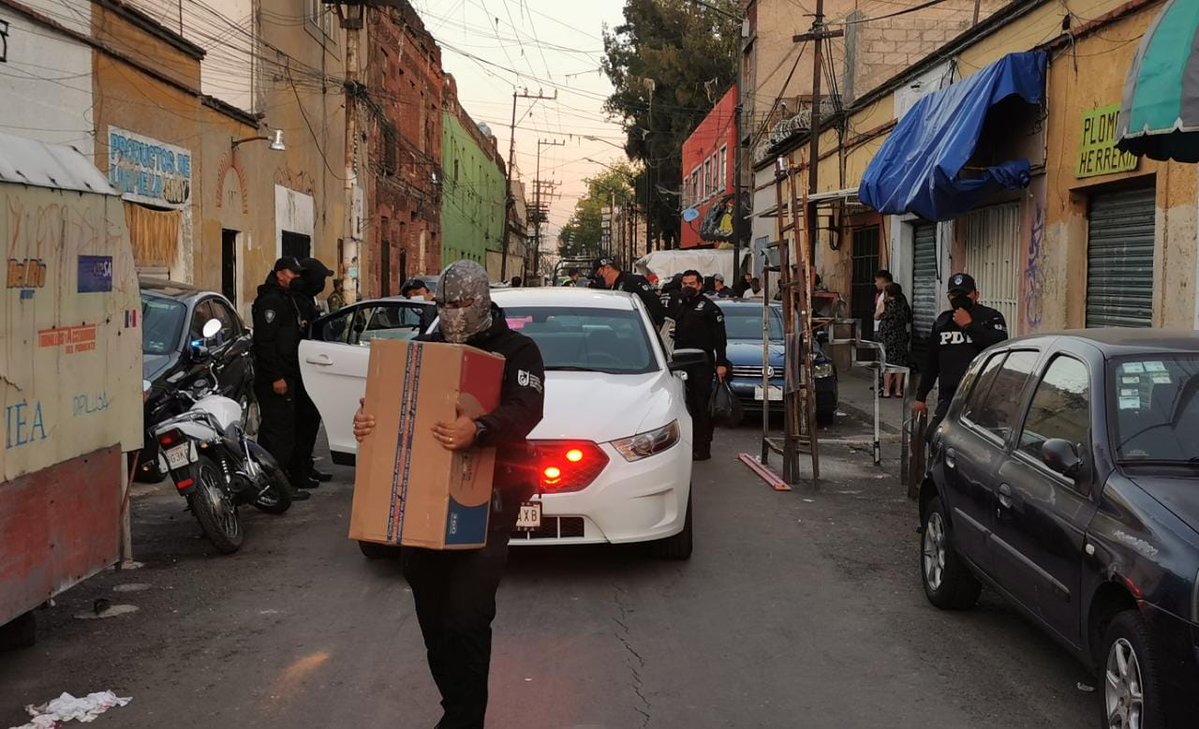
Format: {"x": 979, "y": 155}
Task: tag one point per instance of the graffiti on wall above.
{"x": 34, "y": 231}
{"x": 149, "y": 171}
{"x": 24, "y": 423}
{"x": 1032, "y": 272}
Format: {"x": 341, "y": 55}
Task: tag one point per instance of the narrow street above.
{"x": 798, "y": 609}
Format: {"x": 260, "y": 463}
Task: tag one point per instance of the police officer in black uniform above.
{"x": 699, "y": 324}
{"x": 305, "y": 289}
{"x": 607, "y": 271}
{"x": 454, "y": 591}
{"x": 957, "y": 337}
{"x": 277, "y": 362}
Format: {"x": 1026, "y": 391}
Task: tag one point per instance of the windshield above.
{"x": 162, "y": 322}
{"x": 600, "y": 340}
{"x": 745, "y": 322}
{"x": 1157, "y": 408}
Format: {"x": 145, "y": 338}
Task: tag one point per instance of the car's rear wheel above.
{"x": 679, "y": 546}
{"x": 947, "y": 580}
{"x": 1131, "y": 688}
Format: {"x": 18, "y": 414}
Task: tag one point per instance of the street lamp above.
{"x": 275, "y": 139}
{"x": 604, "y": 141}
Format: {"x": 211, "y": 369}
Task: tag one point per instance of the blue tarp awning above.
{"x": 919, "y": 168}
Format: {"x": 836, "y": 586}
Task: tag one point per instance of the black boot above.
{"x": 320, "y": 475}
{"x": 298, "y": 495}
{"x": 304, "y": 481}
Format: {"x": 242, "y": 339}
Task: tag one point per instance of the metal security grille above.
{"x": 1120, "y": 247}
{"x": 865, "y": 264}
{"x": 926, "y": 294}
{"x": 992, "y": 240}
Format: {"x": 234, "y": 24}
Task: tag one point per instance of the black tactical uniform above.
{"x": 276, "y": 357}
{"x": 952, "y": 348}
{"x": 640, "y": 285}
{"x": 699, "y": 324}
{"x": 308, "y": 419}
{"x": 454, "y": 591}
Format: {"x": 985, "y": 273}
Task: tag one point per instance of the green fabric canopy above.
{"x": 1159, "y": 117}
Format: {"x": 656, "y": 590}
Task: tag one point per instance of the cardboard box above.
{"x": 408, "y": 489}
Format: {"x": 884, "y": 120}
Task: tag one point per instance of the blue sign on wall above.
{"x": 95, "y": 274}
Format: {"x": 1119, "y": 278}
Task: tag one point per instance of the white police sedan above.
{"x": 614, "y": 447}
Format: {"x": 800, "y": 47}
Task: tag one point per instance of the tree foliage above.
{"x": 669, "y": 63}
{"x": 583, "y": 235}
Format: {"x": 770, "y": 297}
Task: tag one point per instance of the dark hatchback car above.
{"x": 173, "y": 315}
{"x": 1066, "y": 476}
{"x": 743, "y": 327}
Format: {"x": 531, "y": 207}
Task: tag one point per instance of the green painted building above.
{"x": 472, "y": 195}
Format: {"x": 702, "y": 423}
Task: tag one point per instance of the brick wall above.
{"x": 881, "y": 48}
{"x": 403, "y": 114}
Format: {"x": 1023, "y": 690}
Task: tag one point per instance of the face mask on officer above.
{"x": 463, "y": 301}
{"x": 961, "y": 301}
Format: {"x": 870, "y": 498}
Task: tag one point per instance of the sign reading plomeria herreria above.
{"x": 148, "y": 171}
{"x": 1097, "y": 153}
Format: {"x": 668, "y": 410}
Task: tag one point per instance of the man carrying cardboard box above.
{"x": 454, "y": 591}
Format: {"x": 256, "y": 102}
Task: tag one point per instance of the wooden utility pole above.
{"x": 351, "y": 14}
{"x": 509, "y": 202}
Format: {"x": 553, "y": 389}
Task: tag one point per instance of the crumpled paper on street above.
{"x": 69, "y": 708}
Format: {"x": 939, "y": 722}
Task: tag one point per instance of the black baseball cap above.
{"x": 288, "y": 263}
{"x": 315, "y": 265}
{"x": 601, "y": 262}
{"x": 962, "y": 283}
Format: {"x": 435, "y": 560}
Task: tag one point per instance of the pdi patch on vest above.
{"x": 269, "y": 315}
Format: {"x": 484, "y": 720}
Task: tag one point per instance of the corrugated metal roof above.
{"x": 29, "y": 162}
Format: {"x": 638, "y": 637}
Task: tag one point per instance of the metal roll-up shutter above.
{"x": 1120, "y": 259}
{"x": 925, "y": 301}
{"x": 992, "y": 241}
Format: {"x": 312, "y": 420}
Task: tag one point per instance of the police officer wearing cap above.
{"x": 608, "y": 272}
{"x": 957, "y": 337}
{"x": 699, "y": 324}
{"x": 276, "y": 351}
{"x": 304, "y": 290}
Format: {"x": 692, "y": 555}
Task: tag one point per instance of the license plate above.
{"x": 529, "y": 517}
{"x": 776, "y": 394}
{"x": 179, "y": 456}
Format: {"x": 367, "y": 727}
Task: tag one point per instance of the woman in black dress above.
{"x": 893, "y": 332}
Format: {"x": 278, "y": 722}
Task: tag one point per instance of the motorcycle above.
{"x": 213, "y": 463}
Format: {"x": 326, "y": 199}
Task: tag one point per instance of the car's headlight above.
{"x": 822, "y": 370}
{"x": 647, "y": 444}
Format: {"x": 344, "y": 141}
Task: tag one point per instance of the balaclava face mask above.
{"x": 463, "y": 281}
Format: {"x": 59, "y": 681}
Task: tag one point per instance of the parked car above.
{"x": 616, "y": 470}
{"x": 1066, "y": 476}
{"x": 743, "y": 325}
{"x": 173, "y": 316}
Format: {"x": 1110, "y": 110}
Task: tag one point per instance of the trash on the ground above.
{"x": 130, "y": 564}
{"x": 109, "y": 611}
{"x": 809, "y": 501}
{"x": 841, "y": 414}
{"x": 68, "y": 708}
{"x": 131, "y": 587}
{"x": 268, "y": 612}
{"x": 1086, "y": 688}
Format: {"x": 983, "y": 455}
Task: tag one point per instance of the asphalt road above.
{"x": 798, "y": 609}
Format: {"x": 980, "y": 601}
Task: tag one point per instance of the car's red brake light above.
{"x": 565, "y": 465}
{"x": 170, "y": 438}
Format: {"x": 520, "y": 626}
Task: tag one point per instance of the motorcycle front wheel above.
{"x": 277, "y": 497}
{"x": 214, "y": 509}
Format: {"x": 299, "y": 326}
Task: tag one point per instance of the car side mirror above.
{"x": 685, "y": 359}
{"x": 1061, "y": 456}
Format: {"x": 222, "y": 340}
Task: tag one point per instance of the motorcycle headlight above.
{"x": 644, "y": 445}
{"x": 769, "y": 371}
{"x": 822, "y": 370}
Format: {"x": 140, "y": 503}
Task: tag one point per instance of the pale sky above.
{"x": 544, "y": 45}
